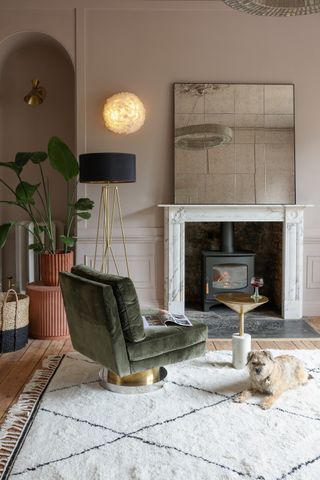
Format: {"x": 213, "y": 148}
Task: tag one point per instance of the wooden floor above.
{"x": 17, "y": 367}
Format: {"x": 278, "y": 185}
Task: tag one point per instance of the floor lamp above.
{"x": 108, "y": 169}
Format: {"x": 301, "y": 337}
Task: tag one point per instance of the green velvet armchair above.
{"x": 106, "y": 325}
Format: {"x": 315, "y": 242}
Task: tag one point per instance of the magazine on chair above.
{"x": 165, "y": 319}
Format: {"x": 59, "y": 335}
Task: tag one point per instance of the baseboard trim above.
{"x": 311, "y": 309}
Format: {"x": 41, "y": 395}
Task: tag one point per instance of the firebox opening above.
{"x": 225, "y": 272}
{"x": 224, "y": 256}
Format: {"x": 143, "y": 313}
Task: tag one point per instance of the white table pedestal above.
{"x": 241, "y": 346}
{"x": 241, "y": 303}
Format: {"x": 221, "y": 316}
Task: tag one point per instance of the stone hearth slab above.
{"x": 222, "y": 323}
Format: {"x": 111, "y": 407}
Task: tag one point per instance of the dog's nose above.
{"x": 258, "y": 370}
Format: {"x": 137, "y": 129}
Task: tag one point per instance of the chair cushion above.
{"x": 126, "y": 297}
{"x": 176, "y": 356}
{"x": 160, "y": 340}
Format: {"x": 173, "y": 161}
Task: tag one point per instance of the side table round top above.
{"x": 241, "y": 302}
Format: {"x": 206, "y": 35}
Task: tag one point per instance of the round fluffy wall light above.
{"x": 124, "y": 113}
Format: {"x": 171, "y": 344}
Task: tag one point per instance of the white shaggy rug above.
{"x": 190, "y": 429}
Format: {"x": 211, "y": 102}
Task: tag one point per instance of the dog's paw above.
{"x": 239, "y": 398}
{"x": 265, "y": 405}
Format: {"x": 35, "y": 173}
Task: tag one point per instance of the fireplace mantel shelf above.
{"x": 292, "y": 240}
{"x": 238, "y": 206}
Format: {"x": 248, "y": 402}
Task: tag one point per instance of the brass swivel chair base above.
{"x": 140, "y": 382}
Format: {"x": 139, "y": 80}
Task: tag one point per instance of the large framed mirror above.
{"x": 234, "y": 143}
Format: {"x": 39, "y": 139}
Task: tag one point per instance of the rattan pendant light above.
{"x": 275, "y": 8}
{"x": 204, "y": 136}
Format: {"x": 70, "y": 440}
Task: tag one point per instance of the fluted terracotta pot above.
{"x": 53, "y": 263}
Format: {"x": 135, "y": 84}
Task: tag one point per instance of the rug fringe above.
{"x": 18, "y": 415}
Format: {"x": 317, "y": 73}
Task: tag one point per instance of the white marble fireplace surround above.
{"x": 292, "y": 242}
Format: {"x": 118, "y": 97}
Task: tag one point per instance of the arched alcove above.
{"x": 23, "y": 57}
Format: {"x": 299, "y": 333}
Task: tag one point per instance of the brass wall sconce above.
{"x": 124, "y": 113}
{"x": 36, "y": 95}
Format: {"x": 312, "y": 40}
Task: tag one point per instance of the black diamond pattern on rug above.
{"x": 201, "y": 413}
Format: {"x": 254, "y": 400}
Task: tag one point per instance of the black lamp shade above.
{"x": 107, "y": 167}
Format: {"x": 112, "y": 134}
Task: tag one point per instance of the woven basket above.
{"x": 14, "y": 321}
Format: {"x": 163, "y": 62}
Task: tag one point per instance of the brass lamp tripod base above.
{"x": 140, "y": 382}
{"x": 109, "y": 208}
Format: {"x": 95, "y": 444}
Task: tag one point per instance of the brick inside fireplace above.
{"x": 263, "y": 238}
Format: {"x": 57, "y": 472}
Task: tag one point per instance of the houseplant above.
{"x": 24, "y": 193}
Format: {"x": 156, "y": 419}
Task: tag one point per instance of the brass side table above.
{"x": 241, "y": 303}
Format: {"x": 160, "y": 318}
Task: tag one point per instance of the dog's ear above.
{"x": 268, "y": 355}
{"x": 249, "y": 356}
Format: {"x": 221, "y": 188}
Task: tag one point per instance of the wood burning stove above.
{"x": 225, "y": 270}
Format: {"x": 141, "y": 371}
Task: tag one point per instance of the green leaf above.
{"x": 25, "y": 192}
{"x": 22, "y": 158}
{"x": 62, "y": 159}
{"x": 10, "y": 203}
{"x": 84, "y": 204}
{"x": 4, "y": 232}
{"x": 84, "y": 215}
{"x": 37, "y": 247}
{"x": 69, "y": 241}
{"x": 13, "y": 166}
{"x": 38, "y": 157}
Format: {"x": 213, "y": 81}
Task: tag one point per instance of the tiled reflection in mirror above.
{"x": 257, "y": 166}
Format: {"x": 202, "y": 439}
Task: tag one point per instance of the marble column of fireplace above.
{"x": 292, "y": 243}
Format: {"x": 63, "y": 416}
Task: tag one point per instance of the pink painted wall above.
{"x": 145, "y": 46}
{"x": 146, "y": 50}
{"x": 25, "y": 56}
{"x": 27, "y": 128}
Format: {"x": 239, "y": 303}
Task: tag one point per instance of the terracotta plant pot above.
{"x": 53, "y": 263}
{"x": 47, "y": 316}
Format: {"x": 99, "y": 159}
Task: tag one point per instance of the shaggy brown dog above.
{"x": 272, "y": 376}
